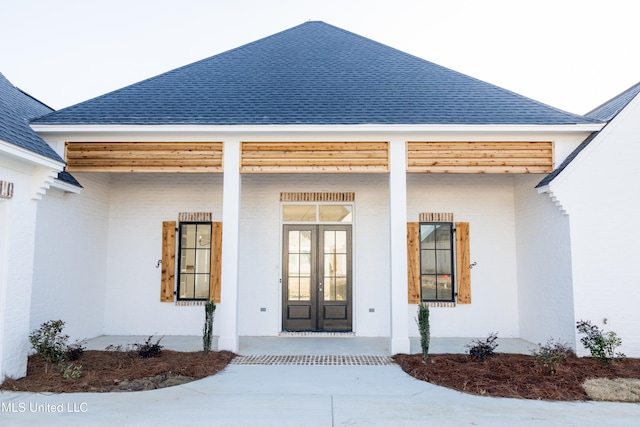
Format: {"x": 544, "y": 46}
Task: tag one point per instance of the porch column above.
{"x": 399, "y": 336}
{"x": 228, "y": 339}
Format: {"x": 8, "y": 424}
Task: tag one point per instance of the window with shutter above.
{"x": 432, "y": 251}
{"x": 199, "y": 261}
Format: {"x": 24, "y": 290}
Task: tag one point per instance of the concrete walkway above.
{"x": 286, "y": 395}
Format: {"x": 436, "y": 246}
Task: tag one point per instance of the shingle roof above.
{"x": 16, "y": 109}
{"x": 547, "y": 179}
{"x": 612, "y": 107}
{"x": 313, "y": 73}
{"x": 65, "y": 176}
{"x": 605, "y": 112}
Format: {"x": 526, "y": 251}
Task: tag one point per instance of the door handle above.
{"x": 319, "y": 286}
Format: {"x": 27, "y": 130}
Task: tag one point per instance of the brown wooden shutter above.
{"x": 216, "y": 262}
{"x": 463, "y": 261}
{"x": 168, "y": 261}
{"x": 413, "y": 260}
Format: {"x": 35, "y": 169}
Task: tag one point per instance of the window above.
{"x": 315, "y": 213}
{"x": 436, "y": 261}
{"x": 430, "y": 259}
{"x": 194, "y": 262}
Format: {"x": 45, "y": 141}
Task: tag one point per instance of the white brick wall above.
{"x": 139, "y": 204}
{"x": 544, "y": 266}
{"x": 17, "y": 234}
{"x": 260, "y": 249}
{"x": 486, "y": 202}
{"x": 70, "y": 258}
{"x": 599, "y": 191}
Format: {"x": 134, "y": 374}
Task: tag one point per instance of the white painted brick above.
{"x": 71, "y": 251}
{"x": 487, "y": 203}
{"x": 544, "y": 266}
{"x": 17, "y": 234}
{"x": 599, "y": 191}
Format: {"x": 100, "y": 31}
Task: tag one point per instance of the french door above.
{"x": 316, "y": 278}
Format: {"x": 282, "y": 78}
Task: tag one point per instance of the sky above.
{"x": 570, "y": 54}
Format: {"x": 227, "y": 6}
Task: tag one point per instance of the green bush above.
{"x": 424, "y": 328}
{"x": 601, "y": 345}
{"x": 207, "y": 330}
{"x": 552, "y": 354}
{"x": 49, "y": 341}
{"x": 72, "y": 371}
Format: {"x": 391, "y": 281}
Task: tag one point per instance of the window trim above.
{"x": 452, "y": 250}
{"x": 179, "y": 261}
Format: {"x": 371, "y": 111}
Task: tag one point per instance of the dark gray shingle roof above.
{"x": 16, "y": 109}
{"x": 612, "y": 107}
{"x": 313, "y": 73}
{"x": 66, "y": 177}
{"x": 605, "y": 112}
{"x": 547, "y": 179}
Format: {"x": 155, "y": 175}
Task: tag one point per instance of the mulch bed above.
{"x": 104, "y": 371}
{"x": 514, "y": 375}
{"x": 505, "y": 375}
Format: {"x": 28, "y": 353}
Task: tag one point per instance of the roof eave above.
{"x": 30, "y": 156}
{"x": 51, "y": 129}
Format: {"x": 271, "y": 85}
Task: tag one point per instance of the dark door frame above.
{"x": 316, "y": 314}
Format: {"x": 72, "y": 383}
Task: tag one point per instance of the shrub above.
{"x": 552, "y": 354}
{"x": 72, "y": 371}
{"x": 207, "y": 330}
{"x": 601, "y": 345}
{"x": 483, "y": 349}
{"x": 149, "y": 349}
{"x": 75, "y": 350}
{"x": 424, "y": 328}
{"x": 49, "y": 341}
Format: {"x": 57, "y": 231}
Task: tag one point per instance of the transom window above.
{"x": 194, "y": 263}
{"x": 317, "y": 213}
{"x": 436, "y": 261}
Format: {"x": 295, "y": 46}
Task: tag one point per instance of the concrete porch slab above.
{"x": 311, "y": 345}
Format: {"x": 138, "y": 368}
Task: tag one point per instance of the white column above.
{"x": 399, "y": 338}
{"x": 228, "y": 315}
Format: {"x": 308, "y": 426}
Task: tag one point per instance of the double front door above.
{"x": 316, "y": 278}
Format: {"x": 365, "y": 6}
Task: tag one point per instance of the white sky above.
{"x": 571, "y": 54}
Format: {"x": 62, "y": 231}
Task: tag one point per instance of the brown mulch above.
{"x": 514, "y": 375}
{"x": 505, "y": 375}
{"x": 104, "y": 371}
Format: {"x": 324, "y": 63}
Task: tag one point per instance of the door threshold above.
{"x": 314, "y": 334}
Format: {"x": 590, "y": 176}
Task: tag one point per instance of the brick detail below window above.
{"x": 439, "y": 304}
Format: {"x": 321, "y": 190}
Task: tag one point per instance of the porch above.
{"x": 322, "y": 345}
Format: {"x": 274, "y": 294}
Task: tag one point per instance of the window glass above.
{"x": 299, "y": 213}
{"x": 299, "y": 265}
{"x": 436, "y": 261}
{"x": 195, "y": 260}
{"x": 335, "y": 213}
{"x": 317, "y": 213}
{"x": 201, "y": 286}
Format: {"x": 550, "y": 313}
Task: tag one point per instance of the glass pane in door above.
{"x": 299, "y": 265}
{"x": 335, "y": 265}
